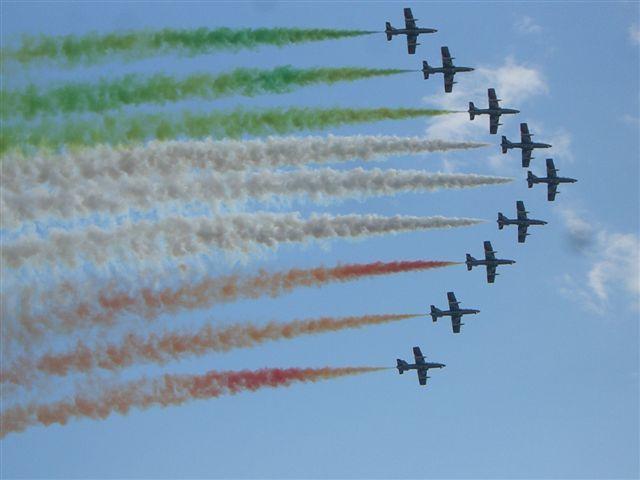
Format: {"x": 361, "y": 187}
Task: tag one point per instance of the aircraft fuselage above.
{"x": 494, "y": 111}
{"x": 527, "y": 146}
{"x": 515, "y": 221}
{"x": 410, "y": 31}
{"x": 462, "y": 311}
{"x": 452, "y": 70}
{"x": 556, "y": 180}
{"x": 497, "y": 261}
{"x": 422, "y": 366}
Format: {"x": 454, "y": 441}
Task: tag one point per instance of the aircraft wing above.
{"x": 446, "y": 57}
{"x": 522, "y": 233}
{"x": 491, "y": 273}
{"x": 526, "y": 157}
{"x": 409, "y": 21}
{"x": 417, "y": 354}
{"x": 522, "y": 213}
{"x": 488, "y": 251}
{"x": 422, "y": 377}
{"x": 493, "y": 124}
{"x": 525, "y": 136}
{"x": 412, "y": 41}
{"x": 552, "y": 189}
{"x": 453, "y": 303}
{"x": 448, "y": 82}
{"x": 493, "y": 99}
{"x": 551, "y": 168}
{"x": 455, "y": 323}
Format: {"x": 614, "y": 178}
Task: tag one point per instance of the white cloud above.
{"x": 634, "y": 34}
{"x": 632, "y": 120}
{"x": 614, "y": 264}
{"x": 580, "y": 233}
{"x": 527, "y": 25}
{"x": 515, "y": 84}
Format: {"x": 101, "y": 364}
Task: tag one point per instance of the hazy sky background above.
{"x": 542, "y": 383}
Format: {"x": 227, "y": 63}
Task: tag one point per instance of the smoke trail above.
{"x": 175, "y": 237}
{"x": 72, "y": 49}
{"x": 160, "y": 89}
{"x": 164, "y": 391}
{"x": 135, "y": 349}
{"x": 119, "y": 196}
{"x": 179, "y": 157}
{"x": 53, "y": 134}
{"x": 71, "y": 307}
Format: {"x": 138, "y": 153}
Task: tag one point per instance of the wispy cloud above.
{"x": 527, "y": 25}
{"x": 614, "y": 264}
{"x": 634, "y": 34}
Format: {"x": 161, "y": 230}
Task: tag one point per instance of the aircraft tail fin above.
{"x": 468, "y": 262}
{"x": 530, "y": 178}
{"x": 401, "y": 366}
{"x": 388, "y": 30}
{"x": 472, "y": 108}
{"x": 425, "y": 69}
{"x": 435, "y": 313}
{"x": 501, "y": 219}
{"x": 504, "y": 144}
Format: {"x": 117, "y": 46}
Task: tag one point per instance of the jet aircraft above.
{"x": 410, "y": 30}
{"x": 494, "y": 111}
{"x": 420, "y": 365}
{"x": 552, "y": 180}
{"x": 525, "y": 144}
{"x": 490, "y": 261}
{"x": 454, "y": 312}
{"x": 448, "y": 68}
{"x": 522, "y": 221}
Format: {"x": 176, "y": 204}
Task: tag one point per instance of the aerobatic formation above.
{"x": 111, "y": 193}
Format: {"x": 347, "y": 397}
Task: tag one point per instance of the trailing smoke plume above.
{"x": 180, "y": 157}
{"x": 136, "y": 349}
{"x": 93, "y": 47}
{"x": 159, "y": 89}
{"x": 71, "y": 307}
{"x": 163, "y": 391}
{"x": 119, "y": 196}
{"x": 176, "y": 237}
{"x": 114, "y": 130}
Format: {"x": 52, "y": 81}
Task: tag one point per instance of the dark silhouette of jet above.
{"x": 522, "y": 221}
{"x": 552, "y": 180}
{"x": 410, "y": 30}
{"x": 448, "y": 69}
{"x": 490, "y": 261}
{"x": 494, "y": 111}
{"x": 455, "y": 312}
{"x": 525, "y": 144}
{"x": 420, "y": 366}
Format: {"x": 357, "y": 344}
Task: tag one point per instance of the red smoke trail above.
{"x": 148, "y": 303}
{"x": 170, "y": 346}
{"x": 164, "y": 391}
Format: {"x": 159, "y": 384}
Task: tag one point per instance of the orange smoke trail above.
{"x": 164, "y": 391}
{"x": 149, "y": 303}
{"x": 170, "y": 346}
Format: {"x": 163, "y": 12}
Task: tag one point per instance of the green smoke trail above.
{"x": 93, "y": 47}
{"x": 134, "y": 90}
{"x": 53, "y": 134}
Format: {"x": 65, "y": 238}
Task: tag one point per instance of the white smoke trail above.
{"x": 115, "y": 197}
{"x": 175, "y": 237}
{"x": 178, "y": 157}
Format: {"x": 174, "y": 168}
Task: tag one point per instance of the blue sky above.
{"x": 542, "y": 384}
